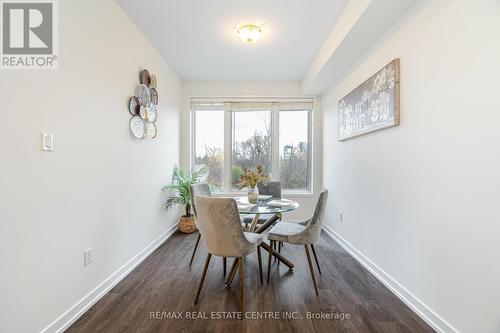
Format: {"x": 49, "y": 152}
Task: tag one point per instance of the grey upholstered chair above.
{"x": 270, "y": 188}
{"x": 305, "y": 233}
{"x": 199, "y": 190}
{"x": 220, "y": 228}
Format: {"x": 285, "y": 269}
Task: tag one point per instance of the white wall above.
{"x": 421, "y": 200}
{"x": 256, "y": 89}
{"x": 99, "y": 188}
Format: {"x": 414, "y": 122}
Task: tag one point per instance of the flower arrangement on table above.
{"x": 249, "y": 180}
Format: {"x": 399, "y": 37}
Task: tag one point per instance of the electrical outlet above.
{"x": 87, "y": 256}
{"x": 341, "y": 217}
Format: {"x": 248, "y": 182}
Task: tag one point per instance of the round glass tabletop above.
{"x": 267, "y": 206}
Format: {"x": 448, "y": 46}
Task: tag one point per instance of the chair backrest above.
{"x": 199, "y": 190}
{"x": 313, "y": 229}
{"x": 220, "y": 227}
{"x": 270, "y": 188}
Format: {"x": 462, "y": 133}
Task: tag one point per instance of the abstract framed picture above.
{"x": 372, "y": 106}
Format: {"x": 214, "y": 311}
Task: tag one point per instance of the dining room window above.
{"x": 294, "y": 150}
{"x": 209, "y": 147}
{"x": 229, "y": 137}
{"x": 251, "y": 144}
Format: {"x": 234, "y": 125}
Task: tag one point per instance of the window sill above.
{"x": 285, "y": 194}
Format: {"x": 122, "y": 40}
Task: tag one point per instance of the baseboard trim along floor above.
{"x": 422, "y": 310}
{"x": 77, "y": 310}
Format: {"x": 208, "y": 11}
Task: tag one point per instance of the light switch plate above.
{"x": 87, "y": 256}
{"x": 47, "y": 142}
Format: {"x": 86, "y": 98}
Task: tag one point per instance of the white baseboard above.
{"x": 77, "y": 310}
{"x": 422, "y": 310}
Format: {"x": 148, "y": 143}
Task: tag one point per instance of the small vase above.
{"x": 253, "y": 194}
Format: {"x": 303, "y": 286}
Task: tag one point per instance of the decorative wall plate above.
{"x": 153, "y": 83}
{"x": 151, "y": 129}
{"x": 143, "y": 107}
{"x": 154, "y": 95}
{"x": 151, "y": 113}
{"x": 143, "y": 94}
{"x": 143, "y": 112}
{"x": 134, "y": 106}
{"x": 146, "y": 78}
{"x": 137, "y": 127}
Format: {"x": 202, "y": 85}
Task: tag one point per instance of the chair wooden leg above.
{"x": 274, "y": 249}
{"x": 270, "y": 260}
{"x": 311, "y": 268}
{"x": 209, "y": 256}
{"x": 194, "y": 250}
{"x": 316, "y": 258}
{"x": 242, "y": 281}
{"x": 280, "y": 243}
{"x": 260, "y": 264}
{"x": 224, "y": 265}
{"x": 232, "y": 273}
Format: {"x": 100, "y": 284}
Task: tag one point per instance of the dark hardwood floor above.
{"x": 164, "y": 284}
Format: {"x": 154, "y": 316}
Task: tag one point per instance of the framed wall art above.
{"x": 372, "y": 106}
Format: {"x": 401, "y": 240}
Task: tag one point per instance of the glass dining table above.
{"x": 266, "y": 205}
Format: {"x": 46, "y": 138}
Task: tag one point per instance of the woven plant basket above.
{"x": 187, "y": 224}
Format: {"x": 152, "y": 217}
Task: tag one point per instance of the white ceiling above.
{"x": 197, "y": 39}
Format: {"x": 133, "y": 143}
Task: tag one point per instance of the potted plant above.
{"x": 180, "y": 194}
{"x": 249, "y": 179}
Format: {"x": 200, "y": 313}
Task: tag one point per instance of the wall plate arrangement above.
{"x": 143, "y": 107}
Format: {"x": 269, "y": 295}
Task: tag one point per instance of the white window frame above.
{"x": 228, "y": 138}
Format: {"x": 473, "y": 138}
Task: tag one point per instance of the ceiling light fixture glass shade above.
{"x": 249, "y": 33}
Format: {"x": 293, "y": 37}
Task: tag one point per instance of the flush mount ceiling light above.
{"x": 249, "y": 33}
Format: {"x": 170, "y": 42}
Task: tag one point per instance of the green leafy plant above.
{"x": 179, "y": 188}
{"x": 236, "y": 172}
